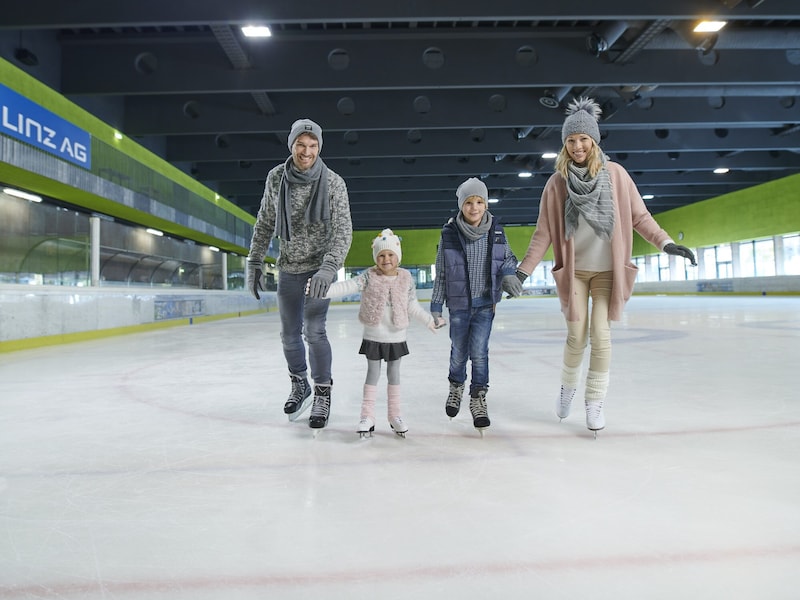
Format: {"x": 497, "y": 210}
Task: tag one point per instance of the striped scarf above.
{"x": 590, "y": 197}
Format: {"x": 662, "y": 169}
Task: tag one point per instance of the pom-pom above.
{"x": 585, "y": 104}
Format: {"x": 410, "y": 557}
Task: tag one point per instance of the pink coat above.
{"x": 630, "y": 214}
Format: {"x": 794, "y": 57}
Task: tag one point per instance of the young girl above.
{"x": 388, "y": 303}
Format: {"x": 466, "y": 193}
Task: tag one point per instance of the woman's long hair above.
{"x": 594, "y": 160}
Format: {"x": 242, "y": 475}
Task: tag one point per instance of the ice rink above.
{"x": 160, "y": 466}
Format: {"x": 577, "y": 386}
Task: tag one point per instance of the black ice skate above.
{"x": 321, "y": 408}
{"x": 477, "y": 406}
{"x": 299, "y": 398}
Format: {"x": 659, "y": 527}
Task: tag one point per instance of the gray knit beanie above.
{"x": 582, "y": 117}
{"x": 471, "y": 187}
{"x": 302, "y": 126}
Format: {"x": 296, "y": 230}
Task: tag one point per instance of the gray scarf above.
{"x": 474, "y": 232}
{"x": 590, "y": 197}
{"x": 319, "y": 205}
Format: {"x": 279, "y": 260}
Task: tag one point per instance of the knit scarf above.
{"x": 379, "y": 292}
{"x": 318, "y": 207}
{"x": 474, "y": 232}
{"x": 590, "y": 197}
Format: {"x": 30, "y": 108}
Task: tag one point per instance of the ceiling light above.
{"x": 154, "y": 232}
{"x": 213, "y": 248}
{"x": 721, "y": 170}
{"x": 648, "y": 197}
{"x": 709, "y": 26}
{"x": 256, "y": 31}
{"x": 525, "y": 174}
{"x": 494, "y": 200}
{"x": 117, "y": 135}
{"x": 21, "y": 194}
{"x": 549, "y": 155}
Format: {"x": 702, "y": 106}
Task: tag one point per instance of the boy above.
{"x": 474, "y": 266}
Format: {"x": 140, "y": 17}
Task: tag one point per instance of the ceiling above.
{"x": 414, "y": 97}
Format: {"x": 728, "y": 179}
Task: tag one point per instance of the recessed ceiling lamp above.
{"x": 721, "y": 170}
{"x": 548, "y": 155}
{"x": 256, "y": 31}
{"x": 709, "y": 26}
{"x": 494, "y": 200}
{"x": 648, "y": 197}
{"x": 525, "y": 174}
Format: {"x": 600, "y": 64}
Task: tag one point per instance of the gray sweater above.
{"x": 311, "y": 243}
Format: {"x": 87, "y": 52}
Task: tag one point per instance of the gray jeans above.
{"x": 303, "y": 320}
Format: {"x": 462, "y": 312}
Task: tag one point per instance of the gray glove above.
{"x": 321, "y": 281}
{"x": 512, "y": 286}
{"x": 681, "y": 251}
{"x": 253, "y": 276}
{"x": 438, "y": 320}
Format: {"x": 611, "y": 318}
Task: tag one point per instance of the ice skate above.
{"x": 477, "y": 406}
{"x": 299, "y": 398}
{"x": 595, "y": 420}
{"x": 453, "y": 404}
{"x": 365, "y": 427}
{"x": 321, "y": 408}
{"x": 564, "y": 402}
{"x": 398, "y": 426}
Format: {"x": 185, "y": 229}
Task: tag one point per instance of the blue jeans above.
{"x": 469, "y": 340}
{"x": 303, "y": 318}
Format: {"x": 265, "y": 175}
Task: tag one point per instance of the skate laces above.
{"x": 321, "y": 406}
{"x": 454, "y": 398}
{"x": 477, "y": 405}
{"x": 298, "y": 389}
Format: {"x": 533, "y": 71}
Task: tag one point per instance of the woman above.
{"x": 588, "y": 211}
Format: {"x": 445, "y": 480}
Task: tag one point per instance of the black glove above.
{"x": 512, "y": 285}
{"x": 321, "y": 281}
{"x": 522, "y": 276}
{"x": 253, "y": 277}
{"x": 681, "y": 251}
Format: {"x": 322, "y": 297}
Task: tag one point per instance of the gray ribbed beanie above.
{"x": 582, "y": 117}
{"x": 471, "y": 187}
{"x": 302, "y": 126}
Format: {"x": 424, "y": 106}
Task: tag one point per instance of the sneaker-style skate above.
{"x": 365, "y": 427}
{"x": 477, "y": 406}
{"x": 398, "y": 426}
{"x": 595, "y": 420}
{"x": 321, "y": 408}
{"x": 564, "y": 402}
{"x": 453, "y": 404}
{"x": 299, "y": 398}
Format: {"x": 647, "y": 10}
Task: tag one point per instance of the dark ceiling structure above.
{"x": 414, "y": 97}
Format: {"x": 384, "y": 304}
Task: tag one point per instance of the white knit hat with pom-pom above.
{"x": 582, "y": 117}
{"x": 387, "y": 240}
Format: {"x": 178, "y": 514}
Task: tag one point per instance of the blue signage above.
{"x": 28, "y": 122}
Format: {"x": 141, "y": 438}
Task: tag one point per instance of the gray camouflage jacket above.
{"x": 311, "y": 243}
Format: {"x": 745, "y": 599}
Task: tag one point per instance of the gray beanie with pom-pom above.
{"x": 582, "y": 117}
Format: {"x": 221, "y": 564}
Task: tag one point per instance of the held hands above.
{"x": 319, "y": 283}
{"x": 437, "y": 322}
{"x": 253, "y": 277}
{"x": 681, "y": 251}
{"x": 512, "y": 285}
{"x": 522, "y": 276}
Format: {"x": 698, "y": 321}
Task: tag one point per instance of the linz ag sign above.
{"x": 28, "y": 122}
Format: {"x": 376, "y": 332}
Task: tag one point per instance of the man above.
{"x": 305, "y": 206}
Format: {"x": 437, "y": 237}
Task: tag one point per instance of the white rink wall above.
{"x": 43, "y": 311}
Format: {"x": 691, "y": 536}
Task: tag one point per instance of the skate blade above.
{"x": 365, "y": 435}
{"x": 481, "y": 430}
{"x": 401, "y": 434}
{"x": 301, "y": 409}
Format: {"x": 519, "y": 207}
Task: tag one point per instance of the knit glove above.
{"x": 253, "y": 277}
{"x": 522, "y": 276}
{"x": 681, "y": 251}
{"x": 321, "y": 281}
{"x": 438, "y": 321}
{"x": 512, "y": 285}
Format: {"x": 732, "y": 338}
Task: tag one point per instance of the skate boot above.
{"x": 398, "y": 426}
{"x": 299, "y": 398}
{"x": 367, "y": 423}
{"x": 564, "y": 402}
{"x": 365, "y": 427}
{"x": 596, "y": 387}
{"x": 322, "y": 406}
{"x": 453, "y": 404}
{"x": 477, "y": 406}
